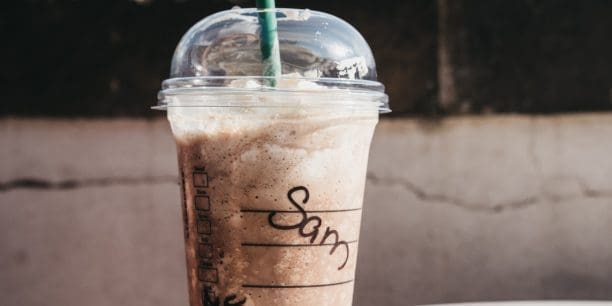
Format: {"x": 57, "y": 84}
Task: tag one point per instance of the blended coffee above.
{"x": 272, "y": 167}
{"x": 272, "y": 203}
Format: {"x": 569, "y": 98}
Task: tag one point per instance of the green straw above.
{"x": 268, "y": 41}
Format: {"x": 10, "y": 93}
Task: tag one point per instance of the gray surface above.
{"x": 484, "y": 208}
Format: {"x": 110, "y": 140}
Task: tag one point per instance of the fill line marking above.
{"x": 254, "y": 244}
{"x": 295, "y": 286}
{"x": 296, "y": 211}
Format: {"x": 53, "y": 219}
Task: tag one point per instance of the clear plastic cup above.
{"x": 272, "y": 178}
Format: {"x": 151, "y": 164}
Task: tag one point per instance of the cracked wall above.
{"x": 471, "y": 208}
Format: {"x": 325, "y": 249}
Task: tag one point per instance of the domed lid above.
{"x": 314, "y": 46}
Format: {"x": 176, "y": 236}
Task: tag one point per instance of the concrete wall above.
{"x": 472, "y": 208}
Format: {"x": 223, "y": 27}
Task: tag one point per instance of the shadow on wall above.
{"x": 107, "y": 58}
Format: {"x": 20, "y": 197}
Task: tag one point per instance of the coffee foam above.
{"x": 292, "y": 81}
{"x": 258, "y": 108}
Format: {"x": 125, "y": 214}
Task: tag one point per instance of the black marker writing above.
{"x": 209, "y": 299}
{"x": 315, "y": 223}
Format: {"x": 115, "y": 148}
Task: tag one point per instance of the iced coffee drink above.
{"x": 273, "y": 205}
{"x": 272, "y": 178}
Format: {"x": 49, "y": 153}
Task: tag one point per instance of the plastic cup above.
{"x": 272, "y": 178}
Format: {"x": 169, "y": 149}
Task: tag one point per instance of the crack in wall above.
{"x": 425, "y": 196}
{"x": 592, "y": 193}
{"x": 44, "y": 184}
{"x": 420, "y": 193}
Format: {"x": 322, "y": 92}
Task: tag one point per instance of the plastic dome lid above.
{"x": 314, "y": 46}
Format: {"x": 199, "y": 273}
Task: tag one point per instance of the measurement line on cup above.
{"x": 253, "y": 244}
{"x": 207, "y": 272}
{"x": 266, "y": 211}
{"x": 295, "y": 286}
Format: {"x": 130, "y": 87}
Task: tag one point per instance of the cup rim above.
{"x": 360, "y": 92}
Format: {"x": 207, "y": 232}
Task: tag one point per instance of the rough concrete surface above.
{"x": 464, "y": 209}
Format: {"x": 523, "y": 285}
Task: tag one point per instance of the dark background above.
{"x": 108, "y": 57}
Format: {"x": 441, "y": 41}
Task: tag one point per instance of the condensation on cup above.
{"x": 272, "y": 178}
